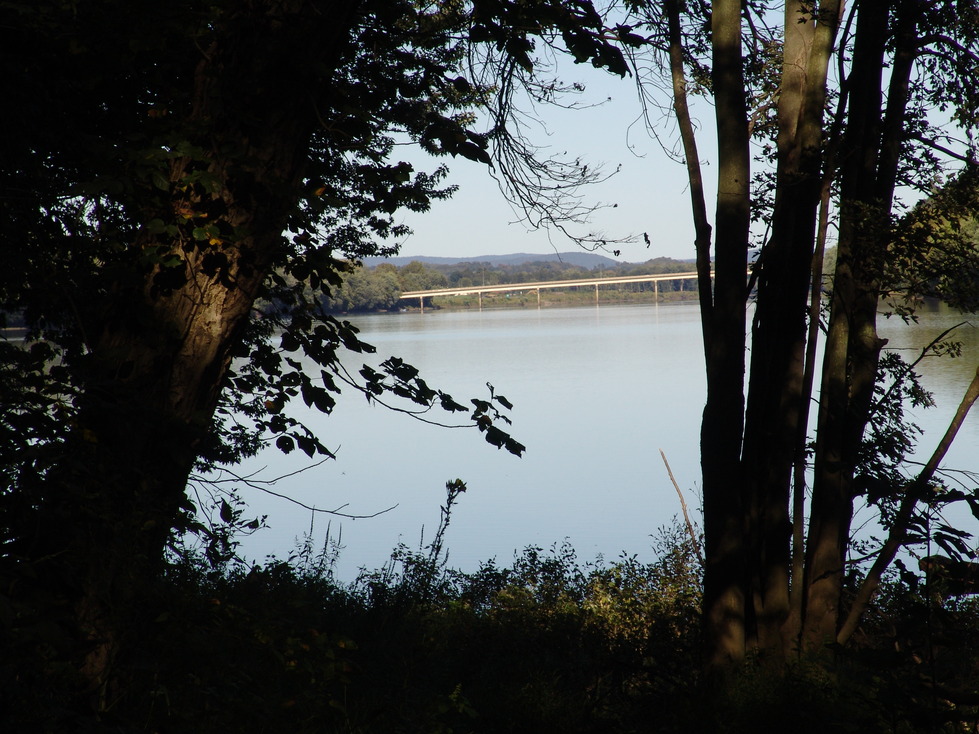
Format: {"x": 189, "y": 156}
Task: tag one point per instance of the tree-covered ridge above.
{"x": 379, "y": 288}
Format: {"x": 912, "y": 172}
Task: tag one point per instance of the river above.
{"x": 597, "y": 392}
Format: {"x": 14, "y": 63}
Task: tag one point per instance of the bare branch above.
{"x": 263, "y": 485}
{"x": 964, "y": 158}
{"x": 694, "y": 540}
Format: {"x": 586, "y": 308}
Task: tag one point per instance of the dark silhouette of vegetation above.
{"x": 812, "y": 133}
{"x": 545, "y": 643}
{"x": 154, "y": 157}
{"x": 155, "y": 153}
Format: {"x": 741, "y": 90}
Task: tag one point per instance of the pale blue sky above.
{"x": 650, "y": 189}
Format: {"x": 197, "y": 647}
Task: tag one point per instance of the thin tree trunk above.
{"x": 698, "y": 203}
{"x": 721, "y": 431}
{"x": 868, "y": 174}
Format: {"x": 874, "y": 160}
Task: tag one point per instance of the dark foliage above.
{"x": 547, "y": 643}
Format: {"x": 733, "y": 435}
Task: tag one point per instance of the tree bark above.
{"x": 721, "y": 430}
{"x": 776, "y": 397}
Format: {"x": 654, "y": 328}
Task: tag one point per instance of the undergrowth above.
{"x": 547, "y": 643}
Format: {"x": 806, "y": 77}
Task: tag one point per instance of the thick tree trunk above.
{"x": 837, "y": 437}
{"x": 156, "y": 369}
{"x": 792, "y": 631}
{"x": 776, "y": 398}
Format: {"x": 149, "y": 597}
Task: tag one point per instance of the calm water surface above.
{"x": 596, "y": 393}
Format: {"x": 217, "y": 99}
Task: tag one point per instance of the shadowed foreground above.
{"x": 548, "y": 644}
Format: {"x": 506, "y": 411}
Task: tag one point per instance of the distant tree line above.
{"x": 379, "y": 288}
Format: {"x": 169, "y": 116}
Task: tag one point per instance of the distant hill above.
{"x": 581, "y": 259}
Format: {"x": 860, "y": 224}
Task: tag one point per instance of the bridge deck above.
{"x": 512, "y": 287}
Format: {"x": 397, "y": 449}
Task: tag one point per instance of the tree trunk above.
{"x": 776, "y": 397}
{"x": 155, "y": 371}
{"x": 698, "y": 202}
{"x": 867, "y": 180}
{"x": 721, "y": 430}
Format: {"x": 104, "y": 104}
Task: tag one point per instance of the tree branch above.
{"x": 686, "y": 517}
{"x": 964, "y": 158}
{"x": 899, "y": 530}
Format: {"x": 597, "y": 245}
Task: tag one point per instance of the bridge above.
{"x": 479, "y": 290}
